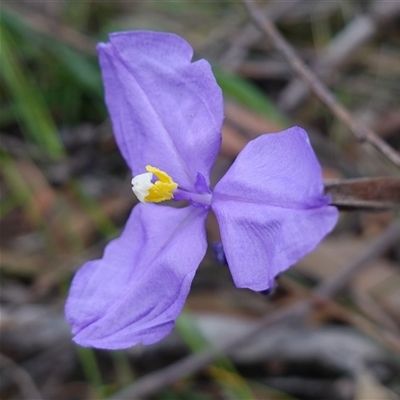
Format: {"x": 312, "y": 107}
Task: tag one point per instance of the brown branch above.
{"x": 361, "y": 132}
{"x": 153, "y": 382}
{"x": 364, "y": 193}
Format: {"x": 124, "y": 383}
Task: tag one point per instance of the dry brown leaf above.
{"x": 232, "y": 141}
{"x": 334, "y": 253}
{"x": 23, "y": 264}
{"x": 331, "y": 255}
{"x": 369, "y": 388}
{"x": 252, "y": 123}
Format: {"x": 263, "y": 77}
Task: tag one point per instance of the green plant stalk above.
{"x": 91, "y": 370}
{"x": 123, "y": 369}
{"x": 237, "y": 387}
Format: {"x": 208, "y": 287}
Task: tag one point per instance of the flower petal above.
{"x": 136, "y": 291}
{"x": 165, "y": 110}
{"x": 279, "y": 169}
{"x": 260, "y": 241}
{"x": 270, "y": 207}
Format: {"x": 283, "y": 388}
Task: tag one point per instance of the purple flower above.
{"x": 167, "y": 114}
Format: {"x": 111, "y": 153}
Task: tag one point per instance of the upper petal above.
{"x": 271, "y": 208}
{"x": 279, "y": 169}
{"x": 166, "y": 111}
{"x": 136, "y": 291}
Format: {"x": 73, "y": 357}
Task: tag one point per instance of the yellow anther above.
{"x": 161, "y": 189}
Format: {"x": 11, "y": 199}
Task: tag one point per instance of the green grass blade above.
{"x": 33, "y": 112}
{"x": 80, "y": 68}
{"x": 248, "y": 95}
{"x": 92, "y": 208}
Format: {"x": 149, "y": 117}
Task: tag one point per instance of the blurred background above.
{"x": 65, "y": 192}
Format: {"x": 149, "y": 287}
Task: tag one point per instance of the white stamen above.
{"x": 141, "y": 184}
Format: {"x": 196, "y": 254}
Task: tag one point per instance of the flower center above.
{"x": 146, "y": 190}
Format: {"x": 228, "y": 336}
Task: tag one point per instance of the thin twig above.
{"x": 153, "y": 382}
{"x": 360, "y": 29}
{"x": 357, "y": 32}
{"x": 241, "y": 41}
{"x": 26, "y": 384}
{"x": 373, "y": 310}
{"x": 361, "y": 132}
